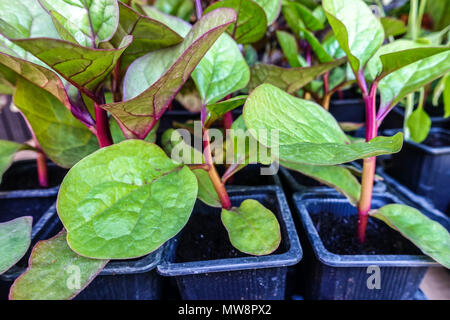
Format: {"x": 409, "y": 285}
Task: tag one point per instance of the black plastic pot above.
{"x": 348, "y": 110}
{"x": 134, "y": 279}
{"x": 251, "y": 176}
{"x": 331, "y": 276}
{"x": 12, "y": 124}
{"x": 241, "y": 276}
{"x": 425, "y": 169}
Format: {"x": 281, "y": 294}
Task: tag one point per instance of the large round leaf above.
{"x": 252, "y": 228}
{"x": 125, "y": 201}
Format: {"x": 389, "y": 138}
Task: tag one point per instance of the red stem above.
{"x": 369, "y": 164}
{"x": 198, "y": 8}
{"x": 42, "y": 169}
{"x": 103, "y": 132}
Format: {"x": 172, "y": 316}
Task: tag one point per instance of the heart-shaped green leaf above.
{"x": 15, "y": 238}
{"x": 125, "y": 201}
{"x": 272, "y": 9}
{"x": 419, "y": 124}
{"x": 428, "y": 235}
{"x": 297, "y": 120}
{"x": 7, "y": 151}
{"x": 358, "y": 31}
{"x": 221, "y": 71}
{"x": 63, "y": 138}
{"x": 87, "y": 21}
{"x": 337, "y": 177}
{"x": 288, "y": 79}
{"x": 148, "y": 34}
{"x": 55, "y": 272}
{"x": 289, "y": 46}
{"x": 252, "y": 228}
{"x": 85, "y": 68}
{"x": 251, "y": 22}
{"x": 23, "y": 19}
{"x": 155, "y": 78}
{"x": 306, "y": 133}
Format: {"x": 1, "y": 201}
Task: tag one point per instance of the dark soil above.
{"x": 205, "y": 238}
{"x": 338, "y": 234}
{"x": 22, "y": 175}
{"x": 249, "y": 176}
{"x": 436, "y": 140}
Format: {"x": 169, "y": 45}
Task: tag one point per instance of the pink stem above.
{"x": 103, "y": 132}
{"x": 198, "y": 9}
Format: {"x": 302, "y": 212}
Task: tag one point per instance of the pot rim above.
{"x": 358, "y": 260}
{"x": 292, "y": 256}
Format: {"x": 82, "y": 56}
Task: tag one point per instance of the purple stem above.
{"x": 198, "y": 9}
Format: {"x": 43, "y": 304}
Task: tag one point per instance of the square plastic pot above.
{"x": 134, "y": 279}
{"x": 238, "y": 278}
{"x": 395, "y": 118}
{"x": 424, "y": 169}
{"x": 330, "y": 276}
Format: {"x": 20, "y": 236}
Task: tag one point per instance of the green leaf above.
{"x": 398, "y": 54}
{"x": 392, "y": 26}
{"x": 292, "y": 18}
{"x": 428, "y": 235}
{"x": 289, "y": 46}
{"x": 419, "y": 124}
{"x": 308, "y": 18}
{"x": 440, "y": 12}
{"x": 63, "y": 138}
{"x": 316, "y": 46}
{"x": 12, "y": 69}
{"x": 337, "y": 177}
{"x": 55, "y": 272}
{"x": 331, "y": 45}
{"x": 269, "y": 108}
{"x": 251, "y": 23}
{"x": 325, "y": 154}
{"x": 159, "y": 75}
{"x": 15, "y": 238}
{"x": 23, "y": 19}
{"x": 88, "y": 21}
{"x": 180, "y": 8}
{"x": 216, "y": 110}
{"x": 221, "y": 71}
{"x": 446, "y": 95}
{"x": 271, "y": 8}
{"x": 252, "y": 228}
{"x": 176, "y": 24}
{"x": 395, "y": 86}
{"x": 358, "y": 31}
{"x": 125, "y": 201}
{"x": 306, "y": 133}
{"x": 85, "y": 68}
{"x": 178, "y": 150}
{"x": 7, "y": 151}
{"x": 206, "y": 191}
{"x": 288, "y": 79}
{"x": 148, "y": 35}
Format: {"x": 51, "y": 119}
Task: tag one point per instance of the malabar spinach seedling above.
{"x": 310, "y": 140}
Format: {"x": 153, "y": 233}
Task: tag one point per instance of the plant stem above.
{"x": 369, "y": 164}
{"x": 42, "y": 169}
{"x": 198, "y": 9}
{"x": 326, "y": 91}
{"x": 213, "y": 175}
{"x": 103, "y": 132}
{"x": 115, "y": 82}
{"x": 408, "y": 111}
